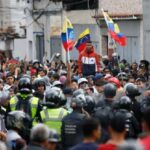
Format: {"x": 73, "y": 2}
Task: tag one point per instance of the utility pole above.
{"x": 47, "y": 9}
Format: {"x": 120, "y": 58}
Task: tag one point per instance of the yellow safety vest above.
{"x": 53, "y": 118}
{"x": 33, "y": 101}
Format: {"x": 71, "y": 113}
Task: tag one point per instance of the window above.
{"x": 80, "y": 4}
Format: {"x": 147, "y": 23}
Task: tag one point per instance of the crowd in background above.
{"x": 93, "y": 103}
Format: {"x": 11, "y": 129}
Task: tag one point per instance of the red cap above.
{"x": 115, "y": 81}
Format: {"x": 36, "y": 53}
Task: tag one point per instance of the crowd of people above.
{"x": 94, "y": 103}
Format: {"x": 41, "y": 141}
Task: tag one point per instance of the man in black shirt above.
{"x": 91, "y": 132}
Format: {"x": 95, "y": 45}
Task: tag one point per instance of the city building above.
{"x": 31, "y": 28}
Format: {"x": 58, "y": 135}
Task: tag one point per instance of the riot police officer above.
{"x": 132, "y": 92}
{"x": 53, "y": 113}
{"x": 24, "y": 100}
{"x": 109, "y": 93}
{"x": 89, "y": 105}
{"x": 18, "y": 124}
{"x": 104, "y": 107}
{"x": 132, "y": 125}
{"x": 72, "y": 123}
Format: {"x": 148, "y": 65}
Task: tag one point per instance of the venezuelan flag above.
{"x": 114, "y": 30}
{"x": 67, "y": 35}
{"x": 82, "y": 40}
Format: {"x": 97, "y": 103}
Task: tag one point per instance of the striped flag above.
{"x": 67, "y": 35}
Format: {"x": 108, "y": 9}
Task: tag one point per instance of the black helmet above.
{"x": 132, "y": 90}
{"x": 122, "y": 76}
{"x": 78, "y": 101}
{"x": 78, "y": 92}
{"x": 118, "y": 120}
{"x": 26, "y": 76}
{"x": 90, "y": 104}
{"x": 125, "y": 103}
{"x": 25, "y": 86}
{"x": 55, "y": 97}
{"x": 145, "y": 103}
{"x": 110, "y": 90}
{"x": 102, "y": 113}
{"x": 18, "y": 120}
{"x": 39, "y": 82}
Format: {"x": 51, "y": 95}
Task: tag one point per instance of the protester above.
{"x": 18, "y": 124}
{"x": 39, "y": 138}
{"x": 54, "y": 140}
{"x": 91, "y": 133}
{"x": 146, "y": 128}
{"x": 89, "y": 61}
{"x": 117, "y": 129}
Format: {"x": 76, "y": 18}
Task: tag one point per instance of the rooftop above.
{"x": 128, "y": 7}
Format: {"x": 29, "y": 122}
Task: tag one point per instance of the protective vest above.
{"x": 33, "y": 102}
{"x": 53, "y": 118}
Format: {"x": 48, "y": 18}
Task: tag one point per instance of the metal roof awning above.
{"x": 121, "y": 16}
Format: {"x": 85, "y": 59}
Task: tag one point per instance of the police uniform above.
{"x": 27, "y": 103}
{"x": 72, "y": 129}
{"x": 53, "y": 117}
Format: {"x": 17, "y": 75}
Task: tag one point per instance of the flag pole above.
{"x": 118, "y": 61}
{"x": 68, "y": 53}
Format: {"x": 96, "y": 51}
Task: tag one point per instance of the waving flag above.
{"x": 83, "y": 39}
{"x": 67, "y": 35}
{"x": 114, "y": 30}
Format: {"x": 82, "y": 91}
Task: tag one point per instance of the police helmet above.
{"x": 122, "y": 76}
{"x": 26, "y": 76}
{"x": 18, "y": 120}
{"x": 110, "y": 90}
{"x": 78, "y": 92}
{"x": 39, "y": 82}
{"x": 25, "y": 86}
{"x": 55, "y": 97}
{"x": 78, "y": 101}
{"x": 102, "y": 113}
{"x": 145, "y": 103}
{"x": 90, "y": 104}
{"x": 125, "y": 103}
{"x": 132, "y": 90}
{"x": 51, "y": 73}
{"x": 118, "y": 120}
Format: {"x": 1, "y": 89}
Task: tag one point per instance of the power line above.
{"x": 39, "y": 16}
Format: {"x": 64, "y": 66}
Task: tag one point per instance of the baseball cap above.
{"x": 81, "y": 80}
{"x": 56, "y": 83}
{"x": 98, "y": 76}
{"x": 53, "y": 136}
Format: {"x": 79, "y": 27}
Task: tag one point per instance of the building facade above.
{"x": 37, "y": 26}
